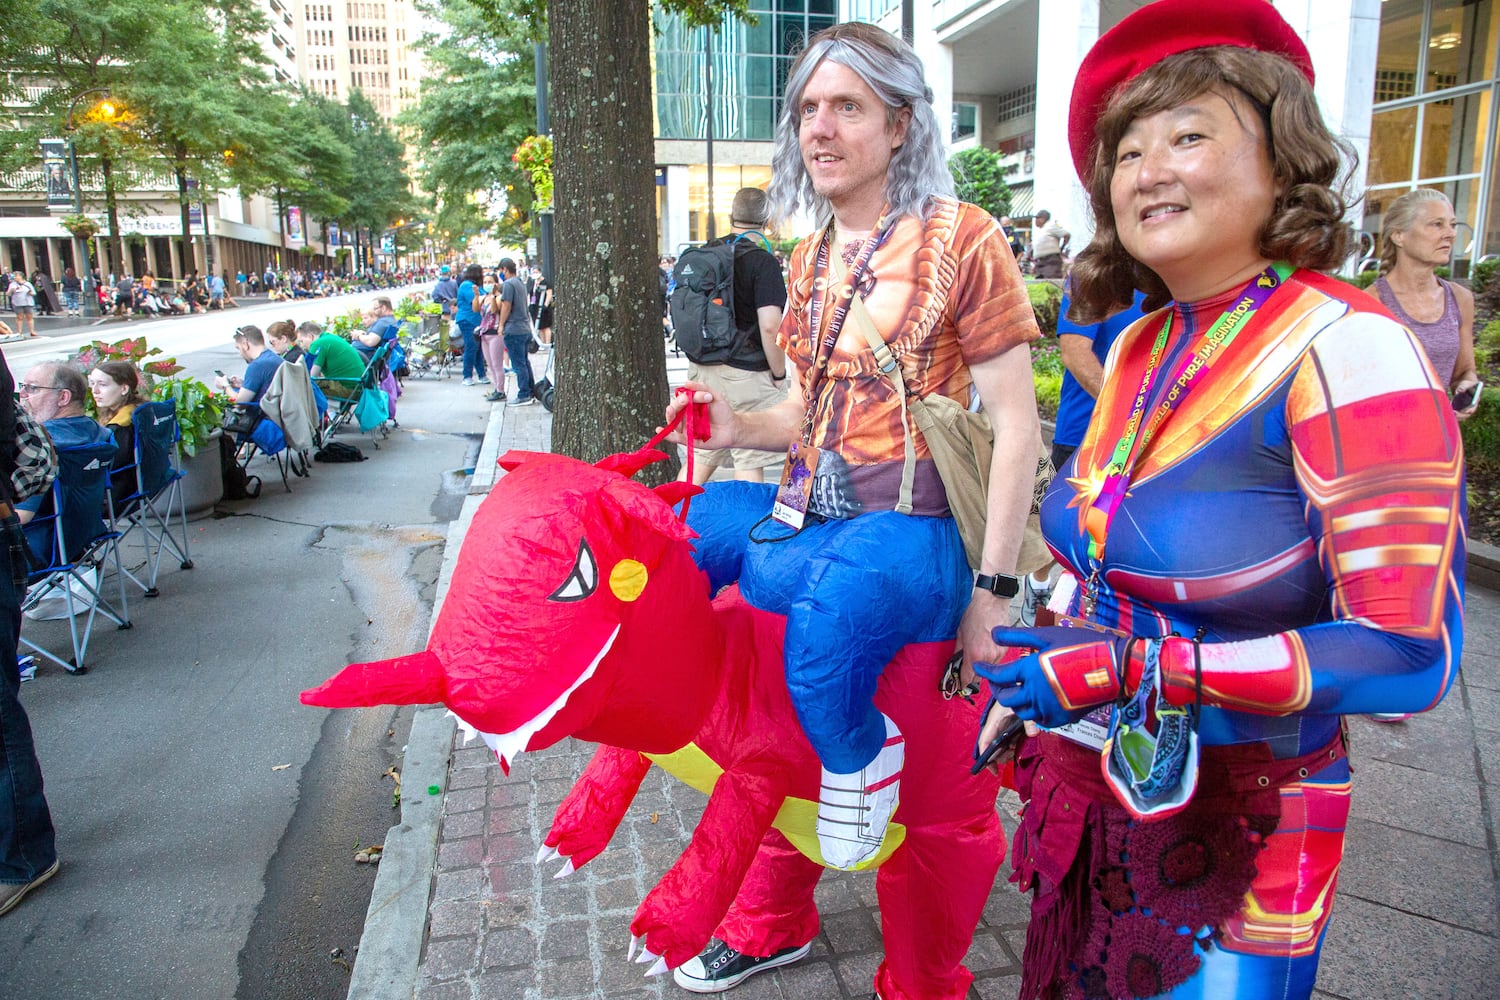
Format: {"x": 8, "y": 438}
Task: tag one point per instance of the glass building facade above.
{"x": 1434, "y": 124}
{"x": 750, "y": 65}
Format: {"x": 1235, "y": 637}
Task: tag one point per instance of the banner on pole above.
{"x": 58, "y": 177}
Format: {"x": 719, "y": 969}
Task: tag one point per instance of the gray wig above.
{"x": 889, "y": 67}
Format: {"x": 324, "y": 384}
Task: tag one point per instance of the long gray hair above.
{"x": 889, "y": 67}
{"x": 1401, "y": 216}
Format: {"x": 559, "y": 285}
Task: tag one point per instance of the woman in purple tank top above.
{"x": 1419, "y": 231}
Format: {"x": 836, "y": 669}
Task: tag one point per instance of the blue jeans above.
{"x": 473, "y": 357}
{"x": 853, "y": 592}
{"x": 70, "y": 301}
{"x": 27, "y": 846}
{"x": 520, "y": 363}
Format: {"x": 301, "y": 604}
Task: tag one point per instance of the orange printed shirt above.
{"x": 944, "y": 294}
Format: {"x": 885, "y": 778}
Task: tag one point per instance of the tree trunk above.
{"x": 112, "y": 213}
{"x": 184, "y": 249}
{"x": 611, "y": 364}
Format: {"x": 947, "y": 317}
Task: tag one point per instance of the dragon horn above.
{"x": 415, "y": 679}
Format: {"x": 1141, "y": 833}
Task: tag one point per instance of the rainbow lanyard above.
{"x": 1134, "y": 441}
{"x": 823, "y": 349}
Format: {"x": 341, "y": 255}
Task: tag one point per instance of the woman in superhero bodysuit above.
{"x": 1266, "y": 523}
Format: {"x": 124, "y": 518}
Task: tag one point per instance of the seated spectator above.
{"x": 281, "y": 336}
{"x": 383, "y": 329}
{"x": 117, "y": 390}
{"x": 330, "y": 356}
{"x": 53, "y": 394}
{"x": 124, "y": 295}
{"x": 260, "y": 365}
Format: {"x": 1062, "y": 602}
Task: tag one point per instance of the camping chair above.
{"x": 270, "y": 440}
{"x": 67, "y": 547}
{"x": 157, "y": 496}
{"x": 429, "y": 352}
{"x": 341, "y": 408}
{"x": 298, "y": 409}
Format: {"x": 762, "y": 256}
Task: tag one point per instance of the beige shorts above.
{"x": 745, "y": 393}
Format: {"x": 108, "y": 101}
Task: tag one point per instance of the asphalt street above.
{"x": 207, "y": 821}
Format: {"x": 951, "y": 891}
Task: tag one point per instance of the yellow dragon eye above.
{"x": 627, "y": 580}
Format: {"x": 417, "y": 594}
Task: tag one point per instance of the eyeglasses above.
{"x": 26, "y": 388}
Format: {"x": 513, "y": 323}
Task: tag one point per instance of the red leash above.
{"x": 693, "y": 419}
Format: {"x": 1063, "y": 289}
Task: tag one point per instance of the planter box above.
{"x": 203, "y": 483}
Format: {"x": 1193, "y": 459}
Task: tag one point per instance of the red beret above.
{"x": 1162, "y": 29}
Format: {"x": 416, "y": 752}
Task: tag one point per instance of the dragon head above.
{"x": 575, "y": 609}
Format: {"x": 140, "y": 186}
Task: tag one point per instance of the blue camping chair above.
{"x": 268, "y": 439}
{"x": 68, "y": 539}
{"x": 156, "y": 499}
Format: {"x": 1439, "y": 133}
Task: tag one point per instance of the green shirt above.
{"x": 336, "y": 357}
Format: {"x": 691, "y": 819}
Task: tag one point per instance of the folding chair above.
{"x": 341, "y": 408}
{"x": 157, "y": 496}
{"x": 270, "y": 440}
{"x": 298, "y": 410}
{"x": 70, "y": 541}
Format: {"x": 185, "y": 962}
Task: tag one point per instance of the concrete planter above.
{"x": 203, "y": 484}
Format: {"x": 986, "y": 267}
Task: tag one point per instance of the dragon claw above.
{"x": 657, "y": 969}
{"x": 545, "y": 854}
{"x": 635, "y": 943}
{"x": 647, "y": 955}
{"x": 566, "y": 870}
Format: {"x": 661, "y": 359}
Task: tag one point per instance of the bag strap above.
{"x": 886, "y": 361}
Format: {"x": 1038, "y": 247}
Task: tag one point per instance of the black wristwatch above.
{"x": 999, "y": 584}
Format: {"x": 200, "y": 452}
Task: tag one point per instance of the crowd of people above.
{"x": 500, "y": 316}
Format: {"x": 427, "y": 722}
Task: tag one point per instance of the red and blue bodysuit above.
{"x": 1301, "y": 513}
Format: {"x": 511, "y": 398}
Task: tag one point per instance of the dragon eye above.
{"x": 583, "y": 580}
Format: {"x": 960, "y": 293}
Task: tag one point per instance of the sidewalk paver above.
{"x": 1417, "y": 913}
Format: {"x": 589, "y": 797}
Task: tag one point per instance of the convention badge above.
{"x": 1091, "y": 731}
{"x": 795, "y": 490}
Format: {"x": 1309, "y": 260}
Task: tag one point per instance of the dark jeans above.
{"x": 1061, "y": 453}
{"x": 473, "y": 356}
{"x": 26, "y": 837}
{"x": 520, "y": 363}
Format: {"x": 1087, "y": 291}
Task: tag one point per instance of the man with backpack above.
{"x": 726, "y": 309}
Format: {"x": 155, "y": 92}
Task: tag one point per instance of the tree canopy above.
{"x": 980, "y": 179}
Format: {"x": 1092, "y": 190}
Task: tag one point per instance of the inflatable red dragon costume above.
{"x": 576, "y": 609}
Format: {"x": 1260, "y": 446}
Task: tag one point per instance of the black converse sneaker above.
{"x": 719, "y": 967}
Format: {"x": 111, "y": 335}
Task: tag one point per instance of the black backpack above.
{"x": 338, "y": 451}
{"x": 702, "y": 302}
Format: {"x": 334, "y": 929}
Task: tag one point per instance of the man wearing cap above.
{"x": 1049, "y": 246}
{"x": 445, "y": 292}
{"x": 754, "y": 375}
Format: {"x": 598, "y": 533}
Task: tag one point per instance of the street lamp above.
{"x": 80, "y": 246}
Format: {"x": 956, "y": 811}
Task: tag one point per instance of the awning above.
{"x": 1021, "y": 199}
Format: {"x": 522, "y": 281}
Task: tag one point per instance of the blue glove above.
{"x": 1072, "y": 671}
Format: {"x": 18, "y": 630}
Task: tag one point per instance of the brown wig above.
{"x": 1306, "y": 227}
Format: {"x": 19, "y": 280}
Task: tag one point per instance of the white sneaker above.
{"x": 468, "y": 381}
{"x": 1032, "y": 598}
{"x": 484, "y": 380}
{"x": 855, "y": 809}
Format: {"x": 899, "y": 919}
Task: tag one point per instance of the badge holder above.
{"x": 794, "y": 492}
{"x": 1150, "y": 758}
